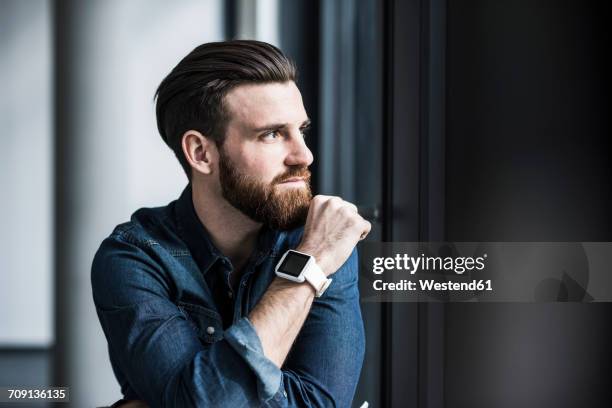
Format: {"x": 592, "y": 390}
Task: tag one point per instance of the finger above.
{"x": 324, "y": 197}
{"x": 320, "y": 199}
{"x": 367, "y": 228}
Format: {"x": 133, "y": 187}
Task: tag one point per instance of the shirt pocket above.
{"x": 206, "y": 322}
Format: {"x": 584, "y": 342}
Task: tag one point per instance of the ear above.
{"x": 199, "y": 151}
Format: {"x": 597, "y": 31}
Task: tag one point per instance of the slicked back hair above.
{"x": 191, "y": 97}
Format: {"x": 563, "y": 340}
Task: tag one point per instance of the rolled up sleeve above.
{"x": 245, "y": 341}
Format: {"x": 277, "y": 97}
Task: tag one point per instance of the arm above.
{"x": 325, "y": 361}
{"x": 333, "y": 228}
{"x": 156, "y": 347}
{"x": 279, "y": 316}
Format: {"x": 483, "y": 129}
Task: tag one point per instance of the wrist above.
{"x": 302, "y": 289}
{"x": 319, "y": 257}
{"x": 298, "y": 266}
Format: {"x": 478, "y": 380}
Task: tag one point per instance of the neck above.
{"x": 232, "y": 232}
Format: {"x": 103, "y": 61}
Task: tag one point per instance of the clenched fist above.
{"x": 333, "y": 228}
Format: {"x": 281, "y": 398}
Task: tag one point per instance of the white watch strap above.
{"x": 315, "y": 276}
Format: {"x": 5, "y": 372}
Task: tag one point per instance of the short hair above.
{"x": 191, "y": 97}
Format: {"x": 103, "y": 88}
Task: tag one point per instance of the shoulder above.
{"x": 148, "y": 228}
{"x": 129, "y": 262}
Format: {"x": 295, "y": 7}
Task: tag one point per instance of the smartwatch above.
{"x": 299, "y": 267}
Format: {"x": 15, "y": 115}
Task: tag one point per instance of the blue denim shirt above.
{"x": 162, "y": 290}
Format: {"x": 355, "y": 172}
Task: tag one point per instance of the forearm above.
{"x": 279, "y": 316}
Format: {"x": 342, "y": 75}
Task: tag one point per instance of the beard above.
{"x": 267, "y": 203}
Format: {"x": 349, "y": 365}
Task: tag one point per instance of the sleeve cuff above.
{"x": 243, "y": 338}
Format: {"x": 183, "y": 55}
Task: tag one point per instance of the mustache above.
{"x": 301, "y": 172}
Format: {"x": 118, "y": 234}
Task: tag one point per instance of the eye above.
{"x": 270, "y": 136}
{"x": 304, "y": 131}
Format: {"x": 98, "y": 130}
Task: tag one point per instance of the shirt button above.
{"x": 210, "y": 330}
{"x": 285, "y": 393}
{"x": 230, "y": 294}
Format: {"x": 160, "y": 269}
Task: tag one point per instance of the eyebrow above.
{"x": 274, "y": 126}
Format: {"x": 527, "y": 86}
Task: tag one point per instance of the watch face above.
{"x": 293, "y": 263}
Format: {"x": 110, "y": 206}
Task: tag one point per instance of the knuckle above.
{"x": 351, "y": 222}
{"x": 345, "y": 211}
{"x": 334, "y": 202}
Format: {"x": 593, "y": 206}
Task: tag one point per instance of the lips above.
{"x": 293, "y": 175}
{"x": 292, "y": 179}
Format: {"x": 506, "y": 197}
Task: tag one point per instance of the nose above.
{"x": 299, "y": 154}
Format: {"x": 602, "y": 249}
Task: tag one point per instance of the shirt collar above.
{"x": 197, "y": 238}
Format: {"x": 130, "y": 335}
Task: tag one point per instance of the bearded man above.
{"x": 243, "y": 291}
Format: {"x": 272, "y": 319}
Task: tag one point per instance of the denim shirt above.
{"x": 179, "y": 336}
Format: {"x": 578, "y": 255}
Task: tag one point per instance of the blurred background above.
{"x": 456, "y": 120}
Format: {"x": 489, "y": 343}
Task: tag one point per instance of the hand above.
{"x": 333, "y": 228}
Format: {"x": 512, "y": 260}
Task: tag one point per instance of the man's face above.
{"x": 263, "y": 163}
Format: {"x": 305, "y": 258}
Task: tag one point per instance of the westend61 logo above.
{"x": 412, "y": 264}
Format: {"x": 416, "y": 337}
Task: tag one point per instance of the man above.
{"x": 200, "y": 300}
